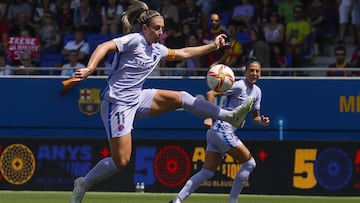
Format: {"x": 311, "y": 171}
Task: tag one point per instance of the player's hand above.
{"x": 208, "y": 123}
{"x": 82, "y": 73}
{"x": 220, "y": 41}
{"x": 265, "y": 121}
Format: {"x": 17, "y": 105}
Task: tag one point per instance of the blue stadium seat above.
{"x": 115, "y": 36}
{"x": 68, "y": 37}
{"x": 243, "y": 38}
{"x": 51, "y": 61}
{"x": 226, "y": 18}
{"x": 96, "y": 39}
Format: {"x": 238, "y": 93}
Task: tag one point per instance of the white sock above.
{"x": 193, "y": 183}
{"x": 203, "y": 108}
{"x": 240, "y": 179}
{"x": 102, "y": 170}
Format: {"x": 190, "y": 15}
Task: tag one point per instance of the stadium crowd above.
{"x": 280, "y": 33}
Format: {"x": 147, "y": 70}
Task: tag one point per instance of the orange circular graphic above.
{"x": 17, "y": 164}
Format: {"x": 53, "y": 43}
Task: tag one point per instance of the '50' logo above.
{"x": 331, "y": 168}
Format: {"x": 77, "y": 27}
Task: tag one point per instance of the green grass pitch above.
{"x": 120, "y": 197}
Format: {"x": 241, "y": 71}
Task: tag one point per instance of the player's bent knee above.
{"x": 121, "y": 163}
{"x": 251, "y": 164}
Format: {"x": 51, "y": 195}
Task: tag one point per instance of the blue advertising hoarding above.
{"x": 309, "y": 109}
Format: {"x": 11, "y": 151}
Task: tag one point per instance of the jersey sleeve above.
{"x": 126, "y": 42}
{"x": 166, "y": 53}
{"x": 257, "y": 101}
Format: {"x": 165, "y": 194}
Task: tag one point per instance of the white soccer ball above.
{"x": 220, "y": 78}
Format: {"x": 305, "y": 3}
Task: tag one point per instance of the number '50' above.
{"x": 332, "y": 168}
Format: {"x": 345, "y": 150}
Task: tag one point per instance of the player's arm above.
{"x": 99, "y": 53}
{"x": 189, "y": 52}
{"x": 210, "y": 96}
{"x": 259, "y": 119}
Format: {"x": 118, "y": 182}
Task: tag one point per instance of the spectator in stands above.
{"x": 43, "y": 6}
{"x": 79, "y": 44}
{"x": 357, "y": 21}
{"x": 74, "y": 4}
{"x": 3, "y": 8}
{"x": 25, "y": 33}
{"x": 26, "y": 66}
{"x": 215, "y": 29}
{"x": 49, "y": 34}
{"x": 263, "y": 11}
{"x": 187, "y": 30}
{"x": 207, "y": 7}
{"x": 346, "y": 10}
{"x": 65, "y": 17}
{"x": 111, "y": 17}
{"x": 174, "y": 40}
{"x": 316, "y": 13}
{"x": 274, "y": 32}
{"x": 235, "y": 48}
{"x": 193, "y": 63}
{"x": 355, "y": 60}
{"x": 87, "y": 18}
{"x": 279, "y": 61}
{"x": 5, "y": 68}
{"x": 4, "y": 33}
{"x": 260, "y": 49}
{"x": 21, "y": 23}
{"x": 191, "y": 14}
{"x": 244, "y": 14}
{"x": 297, "y": 34}
{"x": 68, "y": 69}
{"x": 169, "y": 10}
{"x": 200, "y": 34}
{"x": 285, "y": 10}
{"x": 17, "y": 7}
{"x": 341, "y": 63}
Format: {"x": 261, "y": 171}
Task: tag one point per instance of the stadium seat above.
{"x": 96, "y": 39}
{"x": 68, "y": 37}
{"x": 51, "y": 61}
{"x": 243, "y": 38}
{"x": 225, "y": 18}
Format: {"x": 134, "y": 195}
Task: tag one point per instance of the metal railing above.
{"x": 185, "y": 72}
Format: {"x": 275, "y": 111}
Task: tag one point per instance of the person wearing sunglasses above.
{"x": 340, "y": 64}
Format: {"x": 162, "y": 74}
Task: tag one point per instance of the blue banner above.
{"x": 300, "y": 109}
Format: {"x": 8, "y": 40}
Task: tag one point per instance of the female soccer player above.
{"x": 221, "y": 138}
{"x": 124, "y": 100}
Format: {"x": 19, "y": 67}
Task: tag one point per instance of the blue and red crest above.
{"x": 89, "y": 101}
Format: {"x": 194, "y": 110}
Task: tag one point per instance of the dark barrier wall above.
{"x": 163, "y": 165}
{"x": 300, "y": 109}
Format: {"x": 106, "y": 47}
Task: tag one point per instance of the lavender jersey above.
{"x": 133, "y": 62}
{"x": 238, "y": 94}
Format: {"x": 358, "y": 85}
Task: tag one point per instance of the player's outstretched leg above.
{"x": 241, "y": 111}
{"x": 79, "y": 190}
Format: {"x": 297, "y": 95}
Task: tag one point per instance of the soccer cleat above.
{"x": 241, "y": 111}
{"x": 79, "y": 190}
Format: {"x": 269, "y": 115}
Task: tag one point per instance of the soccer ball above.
{"x": 220, "y": 78}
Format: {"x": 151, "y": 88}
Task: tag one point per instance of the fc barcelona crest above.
{"x": 89, "y": 101}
